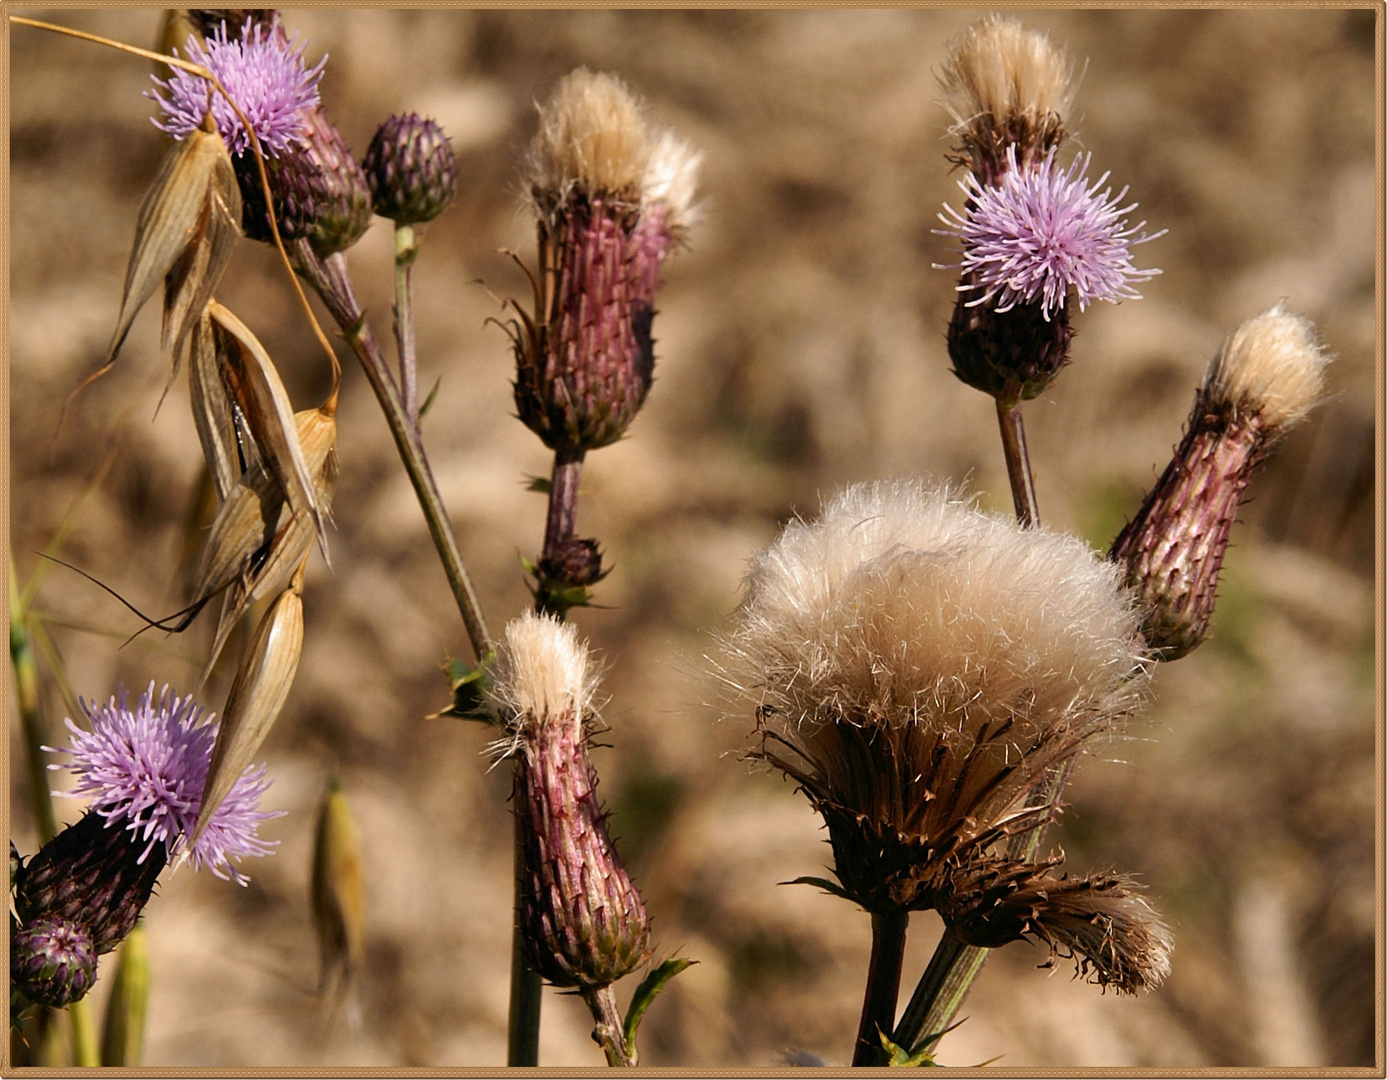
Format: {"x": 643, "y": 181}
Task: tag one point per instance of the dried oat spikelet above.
{"x": 613, "y": 200}
{"x": 253, "y": 703}
{"x": 184, "y": 234}
{"x": 1005, "y": 85}
{"x": 917, "y": 667}
{"x": 338, "y": 895}
{"x": 584, "y": 923}
{"x": 1264, "y": 380}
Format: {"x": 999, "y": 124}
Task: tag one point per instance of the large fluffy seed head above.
{"x": 591, "y": 135}
{"x": 1271, "y": 367}
{"x": 1001, "y": 68}
{"x": 265, "y": 75}
{"x": 542, "y": 674}
{"x": 1042, "y": 232}
{"x": 145, "y": 769}
{"x": 903, "y": 605}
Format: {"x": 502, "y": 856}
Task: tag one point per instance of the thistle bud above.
{"x": 411, "y": 170}
{"x": 299, "y": 190}
{"x": 52, "y": 960}
{"x": 583, "y": 921}
{"x": 345, "y": 213}
{"x": 1263, "y": 381}
{"x": 613, "y": 200}
{"x": 92, "y": 874}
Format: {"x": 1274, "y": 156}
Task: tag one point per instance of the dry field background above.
{"x": 800, "y": 348}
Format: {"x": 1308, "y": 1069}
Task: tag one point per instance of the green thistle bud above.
{"x": 52, "y": 960}
{"x": 411, "y": 170}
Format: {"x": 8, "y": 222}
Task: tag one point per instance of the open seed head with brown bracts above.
{"x": 918, "y": 667}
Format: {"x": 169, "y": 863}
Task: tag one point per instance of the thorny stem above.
{"x": 883, "y": 987}
{"x": 406, "y": 248}
{"x": 608, "y": 1031}
{"x": 329, "y": 277}
{"x": 1013, "y": 431}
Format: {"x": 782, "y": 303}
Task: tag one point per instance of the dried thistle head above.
{"x": 583, "y": 921}
{"x": 1101, "y": 921}
{"x": 1264, "y": 380}
{"x": 1005, "y": 85}
{"x": 918, "y": 666}
{"x": 613, "y": 200}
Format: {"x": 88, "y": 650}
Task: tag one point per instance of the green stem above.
{"x": 522, "y": 1035}
{"x": 329, "y": 277}
{"x": 608, "y": 1031}
{"x": 883, "y": 987}
{"x": 939, "y": 993}
{"x": 406, "y": 248}
{"x": 86, "y": 1054}
{"x": 1013, "y": 431}
{"x": 26, "y": 684}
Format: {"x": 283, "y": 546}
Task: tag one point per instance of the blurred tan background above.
{"x": 799, "y": 348}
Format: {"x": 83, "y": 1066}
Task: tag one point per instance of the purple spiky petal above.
{"x": 1043, "y": 231}
{"x": 265, "y": 75}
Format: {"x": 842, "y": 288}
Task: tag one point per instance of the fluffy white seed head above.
{"x": 906, "y": 605}
{"x": 671, "y": 179}
{"x": 1272, "y": 367}
{"x": 998, "y": 67}
{"x": 542, "y": 675}
{"x": 592, "y": 135}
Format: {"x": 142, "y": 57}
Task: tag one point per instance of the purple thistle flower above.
{"x": 265, "y": 75}
{"x": 147, "y": 767}
{"x": 1042, "y": 231}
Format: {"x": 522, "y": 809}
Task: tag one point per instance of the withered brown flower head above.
{"x": 918, "y": 667}
{"x": 1005, "y": 85}
{"x": 583, "y": 921}
{"x": 613, "y": 199}
{"x": 1264, "y": 380}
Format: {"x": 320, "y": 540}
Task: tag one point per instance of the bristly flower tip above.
{"x": 145, "y": 769}
{"x": 1005, "y": 85}
{"x": 1041, "y": 232}
{"x": 265, "y": 75}
{"x": 1272, "y": 367}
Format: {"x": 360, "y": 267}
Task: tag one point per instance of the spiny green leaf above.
{"x": 649, "y": 988}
